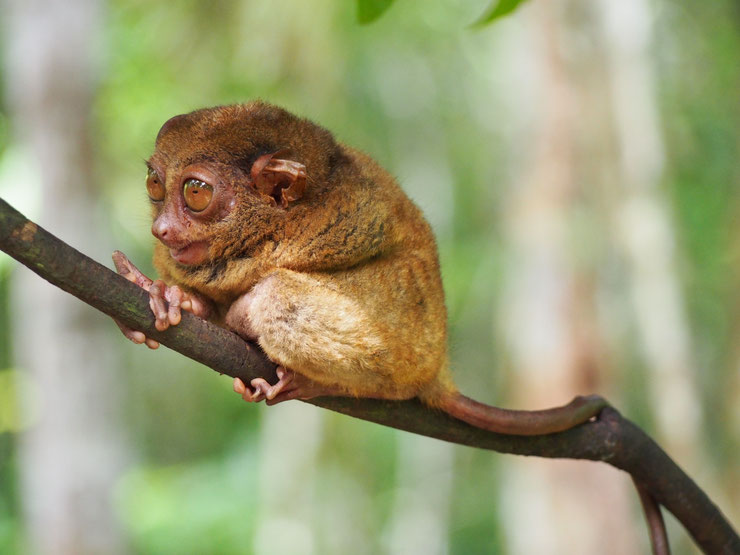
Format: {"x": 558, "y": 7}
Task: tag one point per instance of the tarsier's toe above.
{"x": 261, "y": 390}
{"x": 239, "y": 386}
{"x": 252, "y": 394}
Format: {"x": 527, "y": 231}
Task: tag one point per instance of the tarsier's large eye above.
{"x": 154, "y": 186}
{"x": 197, "y": 193}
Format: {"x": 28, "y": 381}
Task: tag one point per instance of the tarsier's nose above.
{"x": 161, "y": 229}
{"x": 164, "y": 230}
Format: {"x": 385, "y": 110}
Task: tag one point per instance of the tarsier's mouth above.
{"x": 190, "y": 254}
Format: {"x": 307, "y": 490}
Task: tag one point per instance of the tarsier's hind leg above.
{"x": 306, "y": 326}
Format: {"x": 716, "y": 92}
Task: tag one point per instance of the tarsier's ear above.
{"x": 278, "y": 179}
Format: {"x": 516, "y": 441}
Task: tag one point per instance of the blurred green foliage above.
{"x": 703, "y": 177}
{"x": 498, "y": 10}
{"x": 370, "y": 10}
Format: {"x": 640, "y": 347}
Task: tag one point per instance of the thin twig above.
{"x": 656, "y": 525}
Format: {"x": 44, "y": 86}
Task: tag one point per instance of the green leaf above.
{"x": 496, "y": 11}
{"x": 370, "y": 10}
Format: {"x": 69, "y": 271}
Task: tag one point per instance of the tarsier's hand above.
{"x": 166, "y": 302}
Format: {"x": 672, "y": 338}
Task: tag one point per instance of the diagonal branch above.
{"x": 611, "y": 439}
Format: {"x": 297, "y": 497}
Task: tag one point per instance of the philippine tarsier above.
{"x": 269, "y": 227}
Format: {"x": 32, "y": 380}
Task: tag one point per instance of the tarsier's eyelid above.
{"x": 198, "y": 182}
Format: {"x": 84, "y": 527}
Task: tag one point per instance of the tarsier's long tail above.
{"x": 522, "y": 422}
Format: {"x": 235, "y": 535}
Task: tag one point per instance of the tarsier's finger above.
{"x": 151, "y": 343}
{"x": 127, "y": 269}
{"x": 158, "y": 305}
{"x": 135, "y": 336}
{"x": 174, "y": 296}
{"x": 196, "y": 305}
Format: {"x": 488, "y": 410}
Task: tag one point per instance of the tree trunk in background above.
{"x": 550, "y": 308}
{"x": 644, "y": 232}
{"x": 288, "y": 481}
{"x": 70, "y": 457}
{"x": 644, "y": 229}
{"x": 420, "y": 521}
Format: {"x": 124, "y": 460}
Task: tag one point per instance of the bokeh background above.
{"x": 578, "y": 161}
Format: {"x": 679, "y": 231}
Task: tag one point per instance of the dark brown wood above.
{"x": 611, "y": 439}
{"x": 654, "y": 518}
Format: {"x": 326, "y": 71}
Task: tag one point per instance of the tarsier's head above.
{"x": 221, "y": 179}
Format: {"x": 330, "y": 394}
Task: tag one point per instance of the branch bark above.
{"x": 611, "y": 439}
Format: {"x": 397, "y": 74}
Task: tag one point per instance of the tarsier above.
{"x": 269, "y": 227}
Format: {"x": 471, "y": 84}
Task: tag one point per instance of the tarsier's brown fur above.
{"x": 341, "y": 286}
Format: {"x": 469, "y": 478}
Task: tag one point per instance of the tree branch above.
{"x": 611, "y": 439}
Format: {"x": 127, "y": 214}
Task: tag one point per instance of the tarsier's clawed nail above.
{"x": 253, "y": 394}
{"x": 261, "y": 389}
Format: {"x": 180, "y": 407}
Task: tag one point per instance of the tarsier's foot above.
{"x": 166, "y": 302}
{"x": 290, "y": 385}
